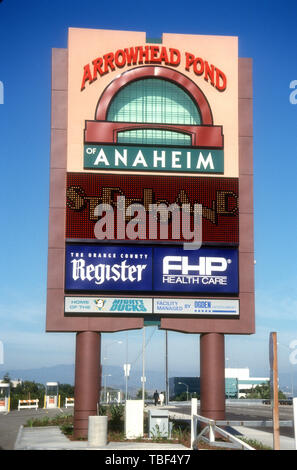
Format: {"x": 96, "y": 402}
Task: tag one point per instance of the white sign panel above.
{"x": 100, "y": 305}
{"x": 158, "y": 306}
{"x": 213, "y": 307}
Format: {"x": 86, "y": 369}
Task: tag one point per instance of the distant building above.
{"x": 231, "y": 387}
{"x": 179, "y": 385}
{"x": 13, "y": 383}
{"x": 237, "y": 382}
{"x": 243, "y": 380}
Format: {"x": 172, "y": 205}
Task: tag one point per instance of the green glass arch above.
{"x": 154, "y": 101}
{"x": 154, "y": 137}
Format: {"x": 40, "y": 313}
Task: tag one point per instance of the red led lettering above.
{"x": 164, "y": 56}
{"x": 209, "y": 72}
{"x": 145, "y": 54}
{"x": 221, "y": 80}
{"x": 97, "y": 63}
{"x": 131, "y": 55}
{"x": 189, "y": 60}
{"x": 108, "y": 62}
{"x": 87, "y": 76}
{"x": 198, "y": 62}
{"x": 155, "y": 55}
{"x": 120, "y": 58}
{"x": 174, "y": 56}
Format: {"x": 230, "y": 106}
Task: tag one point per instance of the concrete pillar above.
{"x": 97, "y": 435}
{"x": 87, "y": 380}
{"x": 212, "y": 375}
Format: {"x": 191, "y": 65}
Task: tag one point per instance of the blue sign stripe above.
{"x": 224, "y": 311}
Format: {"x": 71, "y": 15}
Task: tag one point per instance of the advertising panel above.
{"x": 158, "y": 269}
{"x": 108, "y": 268}
{"x": 200, "y": 307}
{"x": 104, "y": 305}
{"x": 143, "y": 306}
{"x": 107, "y": 74}
{"x": 211, "y": 270}
{"x": 218, "y": 198}
{"x": 161, "y": 159}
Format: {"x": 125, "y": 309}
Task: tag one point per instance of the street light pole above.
{"x": 107, "y": 346}
{"x": 187, "y": 386}
{"x": 127, "y": 373}
{"x": 105, "y": 392}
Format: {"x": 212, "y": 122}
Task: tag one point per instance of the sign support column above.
{"x": 87, "y": 380}
{"x": 212, "y": 375}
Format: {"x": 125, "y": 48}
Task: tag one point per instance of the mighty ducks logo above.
{"x": 99, "y": 304}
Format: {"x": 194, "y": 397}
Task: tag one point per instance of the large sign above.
{"x": 217, "y": 196}
{"x": 135, "y": 306}
{"x": 151, "y": 158}
{"x": 147, "y": 269}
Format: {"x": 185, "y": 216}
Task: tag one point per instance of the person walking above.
{"x": 161, "y": 398}
{"x": 156, "y": 397}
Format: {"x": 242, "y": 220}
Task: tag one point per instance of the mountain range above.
{"x": 113, "y": 376}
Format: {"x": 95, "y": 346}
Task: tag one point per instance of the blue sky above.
{"x": 28, "y": 31}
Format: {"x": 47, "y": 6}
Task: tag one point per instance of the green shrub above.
{"x": 116, "y": 413}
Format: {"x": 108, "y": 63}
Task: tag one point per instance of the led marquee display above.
{"x": 218, "y": 198}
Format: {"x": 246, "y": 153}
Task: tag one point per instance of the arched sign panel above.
{"x": 151, "y": 144}
{"x": 159, "y": 105}
{"x": 152, "y": 107}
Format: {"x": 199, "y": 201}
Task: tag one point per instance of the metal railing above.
{"x": 69, "y": 402}
{"x": 211, "y": 427}
{"x": 28, "y": 404}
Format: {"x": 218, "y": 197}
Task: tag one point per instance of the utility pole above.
{"x": 143, "y": 364}
{"x": 127, "y": 371}
{"x": 166, "y": 369}
{"x": 274, "y": 388}
{"x": 127, "y": 368}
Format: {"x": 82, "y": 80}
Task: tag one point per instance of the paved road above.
{"x": 242, "y": 411}
{"x": 11, "y": 422}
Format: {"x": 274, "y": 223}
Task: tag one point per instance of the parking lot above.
{"x": 11, "y": 422}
